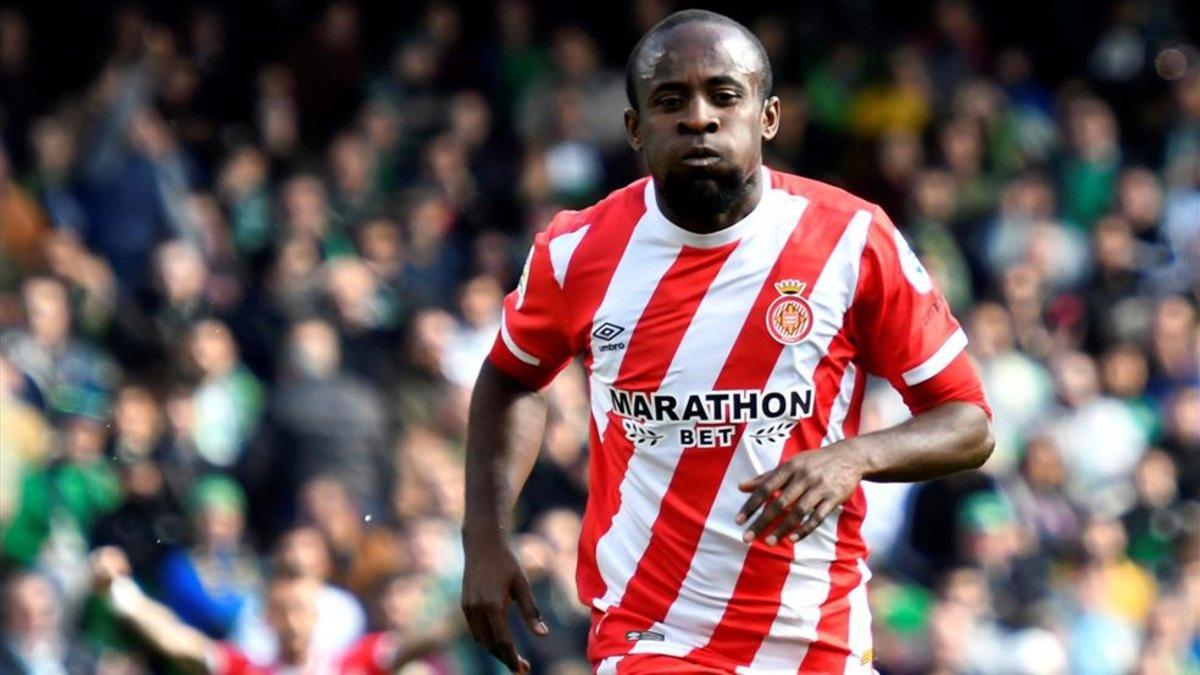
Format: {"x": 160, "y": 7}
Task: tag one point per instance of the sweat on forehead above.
{"x": 697, "y": 36}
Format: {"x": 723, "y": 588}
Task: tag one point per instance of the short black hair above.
{"x": 694, "y": 16}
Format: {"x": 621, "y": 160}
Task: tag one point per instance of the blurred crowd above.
{"x": 245, "y": 290}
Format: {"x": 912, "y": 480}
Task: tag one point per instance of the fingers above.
{"x": 804, "y": 521}
{"x": 751, "y": 483}
{"x": 814, "y": 521}
{"x": 502, "y": 646}
{"x": 771, "y": 513}
{"x": 523, "y": 595}
{"x": 764, "y": 487}
{"x": 800, "y": 516}
{"x": 489, "y": 626}
{"x": 478, "y": 625}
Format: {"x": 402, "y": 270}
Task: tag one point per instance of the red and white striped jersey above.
{"x": 711, "y": 358}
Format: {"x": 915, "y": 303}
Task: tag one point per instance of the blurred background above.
{"x": 254, "y": 254}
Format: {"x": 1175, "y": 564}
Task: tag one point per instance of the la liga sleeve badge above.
{"x": 789, "y": 317}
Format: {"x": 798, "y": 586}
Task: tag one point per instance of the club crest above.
{"x": 789, "y": 317}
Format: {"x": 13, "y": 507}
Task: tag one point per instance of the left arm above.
{"x": 905, "y": 333}
{"x": 947, "y": 438}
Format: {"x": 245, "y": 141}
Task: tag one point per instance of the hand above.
{"x": 803, "y": 491}
{"x": 492, "y": 578}
{"x": 108, "y": 563}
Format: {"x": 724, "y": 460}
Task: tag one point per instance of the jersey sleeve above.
{"x": 372, "y": 654}
{"x": 534, "y": 343}
{"x": 904, "y": 330}
{"x": 225, "y": 659}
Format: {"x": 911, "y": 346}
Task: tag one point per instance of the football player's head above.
{"x": 699, "y": 88}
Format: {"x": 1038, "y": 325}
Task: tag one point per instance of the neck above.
{"x": 678, "y": 211}
{"x": 294, "y": 659}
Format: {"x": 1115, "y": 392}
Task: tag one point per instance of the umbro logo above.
{"x": 607, "y": 331}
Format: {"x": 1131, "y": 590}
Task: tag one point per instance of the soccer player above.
{"x": 727, "y": 315}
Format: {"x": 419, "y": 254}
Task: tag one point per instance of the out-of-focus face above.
{"x": 701, "y": 119}
{"x": 1104, "y": 540}
{"x": 32, "y": 612}
{"x": 381, "y": 242}
{"x": 213, "y": 349}
{"x": 1125, "y": 371}
{"x": 480, "y": 302}
{"x": 962, "y": 147}
{"x": 1093, "y": 130}
{"x": 470, "y": 118}
{"x": 54, "y": 145}
{"x": 314, "y": 348}
{"x": 430, "y": 541}
{"x": 137, "y": 415}
{"x": 402, "y": 602}
{"x": 899, "y": 156}
{"x": 332, "y": 510}
{"x": 1029, "y": 197}
{"x": 1043, "y": 465}
{"x": 968, "y": 588}
{"x": 85, "y": 440}
{"x": 292, "y": 614}
{"x": 1183, "y": 414}
{"x": 575, "y": 53}
{"x": 560, "y": 529}
{"x": 306, "y": 206}
{"x": 1155, "y": 479}
{"x": 305, "y": 550}
{"x": 991, "y": 330}
{"x": 47, "y": 310}
{"x": 1078, "y": 382}
{"x": 1113, "y": 243}
{"x": 352, "y": 163}
{"x": 220, "y": 528}
{"x": 429, "y": 220}
{"x": 352, "y": 286}
{"x": 430, "y": 335}
{"x": 1140, "y": 196}
{"x": 244, "y": 171}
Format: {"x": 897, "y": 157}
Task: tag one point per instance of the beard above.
{"x": 698, "y": 195}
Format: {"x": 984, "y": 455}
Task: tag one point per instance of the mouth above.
{"x": 700, "y": 156}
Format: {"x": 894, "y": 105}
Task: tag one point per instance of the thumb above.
{"x": 522, "y": 594}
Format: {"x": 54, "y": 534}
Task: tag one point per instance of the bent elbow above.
{"x": 984, "y": 447}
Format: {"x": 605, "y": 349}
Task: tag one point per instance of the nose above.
{"x": 698, "y": 118}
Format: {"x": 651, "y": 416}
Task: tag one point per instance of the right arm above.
{"x": 179, "y": 642}
{"x": 504, "y": 434}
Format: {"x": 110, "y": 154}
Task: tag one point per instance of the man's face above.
{"x": 292, "y": 613}
{"x": 701, "y": 118}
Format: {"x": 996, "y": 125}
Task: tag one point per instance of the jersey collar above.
{"x": 677, "y": 235}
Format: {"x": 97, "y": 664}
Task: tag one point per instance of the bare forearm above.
{"x": 943, "y": 440}
{"x": 503, "y": 436}
{"x": 177, "y": 641}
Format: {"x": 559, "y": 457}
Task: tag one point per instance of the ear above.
{"x": 633, "y": 129}
{"x": 770, "y": 118}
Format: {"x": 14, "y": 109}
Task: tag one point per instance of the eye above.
{"x": 726, "y": 97}
{"x": 670, "y": 102}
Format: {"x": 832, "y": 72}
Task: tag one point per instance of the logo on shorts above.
{"x": 607, "y": 331}
{"x": 789, "y": 317}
